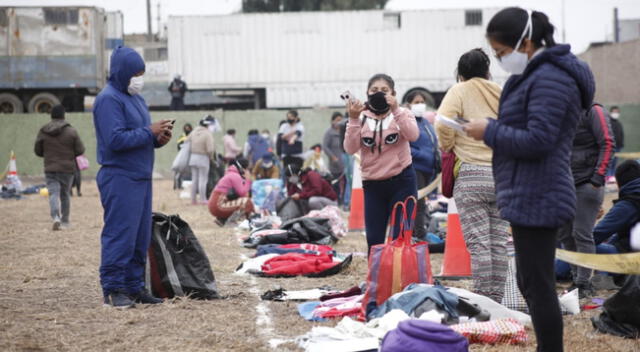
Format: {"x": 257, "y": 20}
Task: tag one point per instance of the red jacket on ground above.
{"x": 313, "y": 185}
{"x": 298, "y": 264}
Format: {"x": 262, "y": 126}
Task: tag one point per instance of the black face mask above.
{"x": 377, "y": 103}
{"x": 291, "y": 122}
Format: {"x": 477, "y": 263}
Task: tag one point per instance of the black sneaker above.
{"x": 118, "y": 299}
{"x": 584, "y": 290}
{"x": 144, "y": 297}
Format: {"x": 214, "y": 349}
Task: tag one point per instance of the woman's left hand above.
{"x": 392, "y": 101}
{"x": 475, "y": 129}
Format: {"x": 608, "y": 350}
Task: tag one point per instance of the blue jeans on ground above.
{"x": 379, "y": 198}
{"x": 127, "y": 231}
{"x": 59, "y": 187}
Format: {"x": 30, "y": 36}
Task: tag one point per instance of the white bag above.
{"x": 181, "y": 162}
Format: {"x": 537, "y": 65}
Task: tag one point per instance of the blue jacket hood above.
{"x": 561, "y": 57}
{"x": 631, "y": 187}
{"x": 125, "y": 63}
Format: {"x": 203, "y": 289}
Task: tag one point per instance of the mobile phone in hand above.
{"x": 346, "y": 96}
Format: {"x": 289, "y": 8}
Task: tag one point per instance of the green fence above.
{"x": 18, "y": 133}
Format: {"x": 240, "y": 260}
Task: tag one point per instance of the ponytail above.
{"x": 507, "y": 25}
{"x": 542, "y": 30}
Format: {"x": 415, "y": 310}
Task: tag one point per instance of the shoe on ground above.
{"x": 144, "y": 297}
{"x": 220, "y": 222}
{"x": 584, "y": 290}
{"x": 118, "y": 299}
{"x": 65, "y": 225}
{"x": 56, "y": 224}
{"x": 603, "y": 282}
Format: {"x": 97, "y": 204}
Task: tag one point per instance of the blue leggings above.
{"x": 126, "y": 233}
{"x": 379, "y": 198}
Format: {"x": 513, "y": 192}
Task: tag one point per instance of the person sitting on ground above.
{"x": 625, "y": 213}
{"x": 232, "y": 192}
{"x": 314, "y": 160}
{"x": 265, "y": 168}
{"x": 308, "y": 184}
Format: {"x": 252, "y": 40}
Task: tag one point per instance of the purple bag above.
{"x": 421, "y": 335}
{"x": 448, "y": 180}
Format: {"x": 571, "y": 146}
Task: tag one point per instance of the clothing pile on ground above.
{"x": 299, "y": 230}
{"x": 298, "y": 259}
{"x": 10, "y": 190}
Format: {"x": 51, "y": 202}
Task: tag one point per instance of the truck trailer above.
{"x": 306, "y": 59}
{"x": 54, "y": 55}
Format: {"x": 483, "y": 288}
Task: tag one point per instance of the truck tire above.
{"x": 10, "y": 104}
{"x": 42, "y": 103}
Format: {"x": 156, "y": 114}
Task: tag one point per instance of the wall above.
{"x": 19, "y": 132}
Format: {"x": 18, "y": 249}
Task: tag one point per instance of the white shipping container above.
{"x": 308, "y": 58}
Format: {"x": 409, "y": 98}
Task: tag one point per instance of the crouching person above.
{"x": 308, "y": 184}
{"x": 232, "y": 192}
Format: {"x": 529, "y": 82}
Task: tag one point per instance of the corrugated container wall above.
{"x": 309, "y": 58}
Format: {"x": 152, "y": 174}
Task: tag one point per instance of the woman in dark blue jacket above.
{"x": 531, "y": 140}
{"x": 425, "y": 157}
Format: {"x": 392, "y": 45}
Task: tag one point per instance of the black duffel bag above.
{"x": 176, "y": 264}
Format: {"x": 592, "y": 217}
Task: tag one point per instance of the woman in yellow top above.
{"x": 486, "y": 234}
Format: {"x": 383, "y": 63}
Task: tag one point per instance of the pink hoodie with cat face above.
{"x": 383, "y": 143}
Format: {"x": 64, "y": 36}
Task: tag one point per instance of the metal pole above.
{"x": 149, "y": 33}
{"x": 564, "y": 24}
{"x": 616, "y": 27}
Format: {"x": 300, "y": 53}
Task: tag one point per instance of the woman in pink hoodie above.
{"x": 380, "y": 130}
{"x": 232, "y": 192}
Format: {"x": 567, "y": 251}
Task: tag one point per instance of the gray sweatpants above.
{"x": 59, "y": 187}
{"x": 199, "y": 178}
{"x": 578, "y": 235}
{"x": 317, "y": 202}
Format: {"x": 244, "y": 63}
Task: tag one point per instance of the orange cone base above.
{"x": 356, "y": 215}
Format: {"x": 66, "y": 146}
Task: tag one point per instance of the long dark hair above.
{"x": 473, "y": 63}
{"x": 507, "y": 25}
{"x": 382, "y": 76}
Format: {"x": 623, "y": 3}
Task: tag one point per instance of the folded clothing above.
{"x": 506, "y": 331}
{"x": 421, "y": 335}
{"x": 306, "y": 248}
{"x": 295, "y": 264}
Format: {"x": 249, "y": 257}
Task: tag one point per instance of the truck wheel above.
{"x": 42, "y": 103}
{"x": 10, "y": 104}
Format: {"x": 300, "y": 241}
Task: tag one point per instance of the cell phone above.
{"x": 461, "y": 120}
{"x": 173, "y": 122}
{"x": 346, "y": 96}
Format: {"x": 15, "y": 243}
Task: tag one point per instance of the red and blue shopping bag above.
{"x": 396, "y": 263}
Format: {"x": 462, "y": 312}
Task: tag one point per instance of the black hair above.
{"x": 293, "y": 113}
{"x": 316, "y": 146}
{"x": 184, "y": 128}
{"x": 57, "y": 112}
{"x": 231, "y": 131}
{"x": 627, "y": 171}
{"x": 384, "y": 77}
{"x": 473, "y": 63}
{"x": 242, "y": 162}
{"x": 615, "y": 107}
{"x": 414, "y": 94}
{"x": 335, "y": 115}
{"x": 253, "y": 132}
{"x": 507, "y": 25}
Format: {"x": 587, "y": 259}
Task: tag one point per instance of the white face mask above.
{"x": 265, "y": 135}
{"x": 516, "y": 62}
{"x": 615, "y": 115}
{"x": 294, "y": 179}
{"x": 135, "y": 85}
{"x": 418, "y": 109}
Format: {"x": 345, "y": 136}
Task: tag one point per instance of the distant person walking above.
{"x": 381, "y": 132}
{"x": 177, "y": 89}
{"x": 202, "y": 152}
{"x": 332, "y": 147}
{"x": 231, "y": 148}
{"x": 590, "y": 158}
{"x": 485, "y": 233}
{"x": 540, "y": 106}
{"x": 126, "y": 142}
{"x": 59, "y": 144}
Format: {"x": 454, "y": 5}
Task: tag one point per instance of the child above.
{"x": 381, "y": 131}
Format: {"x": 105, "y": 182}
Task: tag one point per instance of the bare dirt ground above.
{"x": 50, "y": 298}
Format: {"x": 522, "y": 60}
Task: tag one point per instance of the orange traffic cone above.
{"x": 356, "y": 215}
{"x": 13, "y": 169}
{"x": 457, "y": 261}
{"x": 12, "y": 181}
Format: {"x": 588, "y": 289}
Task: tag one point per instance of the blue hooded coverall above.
{"x": 125, "y": 152}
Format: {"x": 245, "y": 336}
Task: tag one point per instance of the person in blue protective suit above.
{"x": 126, "y": 140}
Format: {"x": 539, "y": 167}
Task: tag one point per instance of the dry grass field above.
{"x": 50, "y": 299}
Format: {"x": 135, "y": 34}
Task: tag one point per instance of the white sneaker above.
{"x": 65, "y": 225}
{"x": 56, "y": 224}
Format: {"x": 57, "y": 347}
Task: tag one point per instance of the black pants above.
{"x": 535, "y": 255}
{"x": 177, "y": 104}
{"x": 420, "y": 229}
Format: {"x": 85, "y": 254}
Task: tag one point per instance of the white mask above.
{"x": 294, "y": 179}
{"x": 418, "y": 109}
{"x": 265, "y": 135}
{"x": 135, "y": 85}
{"x": 615, "y": 115}
{"x": 516, "y": 62}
